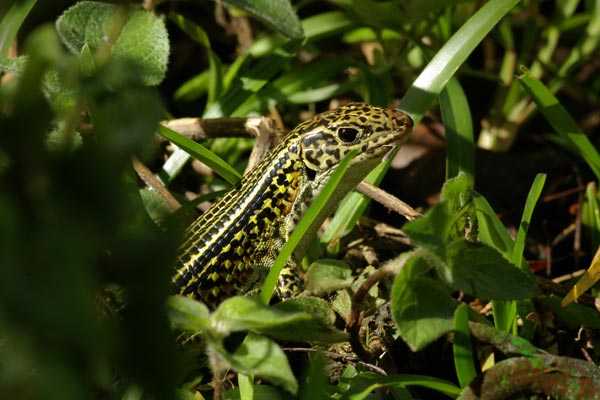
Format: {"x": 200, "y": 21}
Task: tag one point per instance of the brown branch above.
{"x": 549, "y": 286}
{"x": 200, "y": 129}
{"x": 387, "y": 200}
{"x": 152, "y": 181}
{"x": 336, "y": 356}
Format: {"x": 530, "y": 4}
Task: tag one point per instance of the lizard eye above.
{"x": 347, "y": 135}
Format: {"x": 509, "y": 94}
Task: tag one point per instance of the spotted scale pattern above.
{"x": 229, "y": 249}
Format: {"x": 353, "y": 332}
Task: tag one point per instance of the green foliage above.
{"x": 84, "y": 272}
{"x": 446, "y": 236}
{"x": 62, "y": 230}
{"x": 276, "y": 13}
{"x": 257, "y": 355}
{"x": 133, "y": 35}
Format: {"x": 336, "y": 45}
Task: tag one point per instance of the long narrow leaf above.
{"x": 561, "y": 120}
{"x": 586, "y": 281}
{"x": 463, "y": 354}
{"x": 202, "y": 153}
{"x": 532, "y": 199}
{"x": 12, "y": 22}
{"x": 253, "y": 81}
{"x": 451, "y": 56}
{"x": 368, "y": 382}
{"x": 460, "y": 148}
{"x": 593, "y": 211}
{"x": 215, "y": 74}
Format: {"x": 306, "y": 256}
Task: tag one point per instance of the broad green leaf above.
{"x": 248, "y": 313}
{"x": 14, "y": 65}
{"x": 142, "y": 39}
{"x": 432, "y": 230}
{"x": 315, "y": 27}
{"x": 328, "y": 275}
{"x": 315, "y": 383}
{"x": 87, "y": 22}
{"x": 262, "y": 357}
{"x": 380, "y": 13}
{"x": 491, "y": 229}
{"x": 456, "y": 191}
{"x": 187, "y": 314}
{"x": 318, "y": 308}
{"x": 278, "y": 14}
{"x": 421, "y": 306}
{"x": 300, "y": 320}
{"x": 480, "y": 270}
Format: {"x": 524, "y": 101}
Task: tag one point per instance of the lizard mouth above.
{"x": 386, "y": 143}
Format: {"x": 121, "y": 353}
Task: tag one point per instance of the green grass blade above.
{"x": 593, "y": 214}
{"x": 460, "y": 148}
{"x": 350, "y": 209}
{"x": 367, "y": 382}
{"x": 215, "y": 69}
{"x": 561, "y": 120}
{"x": 246, "y": 384}
{"x": 12, "y": 22}
{"x": 201, "y": 153}
{"x": 532, "y": 199}
{"x": 506, "y": 312}
{"x": 312, "y": 213}
{"x": 192, "y": 29}
{"x": 253, "y": 81}
{"x": 463, "y": 353}
{"x": 304, "y": 85}
{"x": 452, "y": 55}
{"x": 493, "y": 232}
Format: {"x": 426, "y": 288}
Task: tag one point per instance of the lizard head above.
{"x": 329, "y": 136}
